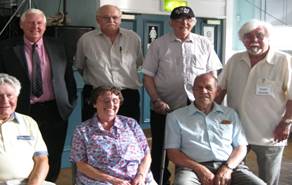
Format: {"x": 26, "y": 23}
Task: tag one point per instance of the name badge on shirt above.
{"x": 24, "y": 137}
{"x": 226, "y": 122}
{"x": 263, "y": 87}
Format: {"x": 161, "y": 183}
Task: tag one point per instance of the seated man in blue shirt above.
{"x": 206, "y": 141}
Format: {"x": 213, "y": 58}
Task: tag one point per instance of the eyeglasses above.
{"x": 182, "y": 20}
{"x": 252, "y": 35}
{"x": 108, "y": 18}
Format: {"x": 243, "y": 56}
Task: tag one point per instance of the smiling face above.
{"x": 107, "y": 106}
{"x": 33, "y": 26}
{"x": 8, "y": 101}
{"x": 256, "y": 42}
{"x": 205, "y": 90}
{"x": 182, "y": 27}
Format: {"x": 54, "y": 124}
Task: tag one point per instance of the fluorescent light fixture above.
{"x": 169, "y": 5}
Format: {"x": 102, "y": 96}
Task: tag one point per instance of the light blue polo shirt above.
{"x": 204, "y": 137}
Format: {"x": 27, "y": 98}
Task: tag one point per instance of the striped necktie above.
{"x": 36, "y": 84}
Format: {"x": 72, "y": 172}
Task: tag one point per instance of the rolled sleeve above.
{"x": 172, "y": 132}
{"x": 150, "y": 65}
{"x": 238, "y": 137}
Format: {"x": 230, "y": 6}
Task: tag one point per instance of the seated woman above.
{"x": 23, "y": 153}
{"x": 109, "y": 148}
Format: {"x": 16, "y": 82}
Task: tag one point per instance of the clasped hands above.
{"x": 138, "y": 180}
{"x": 222, "y": 177}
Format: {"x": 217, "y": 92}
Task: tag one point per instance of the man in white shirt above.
{"x": 110, "y": 57}
{"x": 23, "y": 153}
{"x": 258, "y": 84}
{"x": 170, "y": 67}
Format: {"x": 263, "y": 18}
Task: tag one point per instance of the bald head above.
{"x": 105, "y": 8}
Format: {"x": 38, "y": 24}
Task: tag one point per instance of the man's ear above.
{"x": 218, "y": 89}
{"x": 20, "y": 25}
{"x": 195, "y": 21}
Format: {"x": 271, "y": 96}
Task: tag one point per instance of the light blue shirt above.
{"x": 204, "y": 137}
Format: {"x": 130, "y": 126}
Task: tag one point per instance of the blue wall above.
{"x": 80, "y": 12}
{"x": 244, "y": 11}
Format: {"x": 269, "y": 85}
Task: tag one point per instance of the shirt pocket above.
{"x": 226, "y": 131}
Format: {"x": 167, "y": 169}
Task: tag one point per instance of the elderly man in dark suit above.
{"x": 49, "y": 89}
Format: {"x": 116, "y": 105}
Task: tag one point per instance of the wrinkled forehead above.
{"x": 205, "y": 79}
{"x": 104, "y": 11}
{"x": 258, "y": 29}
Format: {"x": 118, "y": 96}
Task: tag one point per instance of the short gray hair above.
{"x": 32, "y": 11}
{"x": 252, "y": 25}
{"x": 6, "y": 79}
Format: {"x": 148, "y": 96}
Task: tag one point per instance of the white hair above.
{"x": 252, "y": 25}
{"x": 6, "y": 79}
{"x": 32, "y": 11}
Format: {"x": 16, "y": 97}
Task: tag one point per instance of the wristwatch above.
{"x": 288, "y": 122}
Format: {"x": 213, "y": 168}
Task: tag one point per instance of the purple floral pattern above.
{"x": 117, "y": 152}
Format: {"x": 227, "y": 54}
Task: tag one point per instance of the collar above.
{"x": 117, "y": 123}
{"x": 28, "y": 43}
{"x": 174, "y": 38}
{"x": 268, "y": 58}
{"x": 122, "y": 31}
{"x": 216, "y": 108}
{"x": 13, "y": 118}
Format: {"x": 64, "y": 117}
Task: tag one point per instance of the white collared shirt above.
{"x": 259, "y": 93}
{"x": 175, "y": 65}
{"x": 20, "y": 141}
{"x": 112, "y": 64}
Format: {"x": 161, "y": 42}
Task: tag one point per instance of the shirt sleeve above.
{"x": 172, "y": 132}
{"x": 238, "y": 137}
{"x": 150, "y": 65}
{"x": 140, "y": 53}
{"x": 40, "y": 147}
{"x": 222, "y": 79}
{"x": 78, "y": 148}
{"x": 214, "y": 62}
{"x": 80, "y": 55}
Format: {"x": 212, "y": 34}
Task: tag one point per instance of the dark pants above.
{"x": 130, "y": 106}
{"x": 157, "y": 122}
{"x": 53, "y": 129}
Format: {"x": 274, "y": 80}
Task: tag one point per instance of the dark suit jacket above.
{"x": 13, "y": 62}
